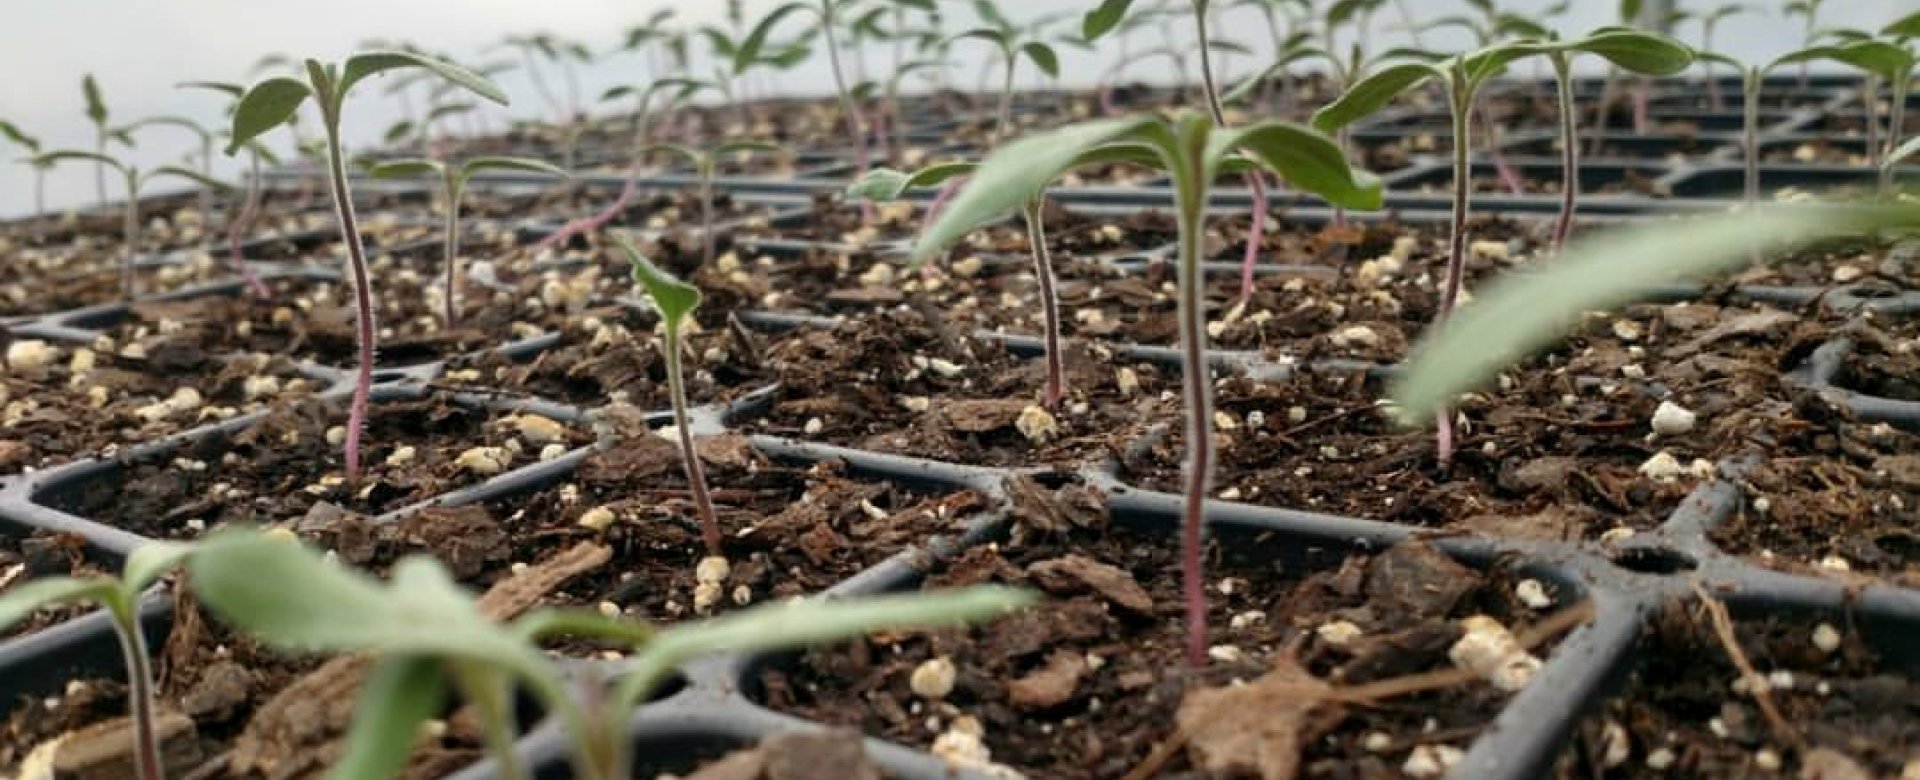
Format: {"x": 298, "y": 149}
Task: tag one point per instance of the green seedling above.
{"x": 1521, "y": 313}
{"x": 1882, "y": 61}
{"x": 704, "y": 162}
{"x": 453, "y": 185}
{"x": 206, "y": 139}
{"x": 121, "y": 598}
{"x": 1194, "y": 152}
{"x": 1710, "y": 21}
{"x": 274, "y": 102}
{"x": 237, "y": 227}
{"x": 643, "y": 131}
{"x": 930, "y": 45}
{"x": 544, "y": 46}
{"x": 428, "y": 636}
{"x": 102, "y": 132}
{"x": 1012, "y": 47}
{"x": 676, "y": 301}
{"x": 1462, "y": 76}
{"x": 32, "y": 145}
{"x": 738, "y": 56}
{"x": 889, "y": 93}
{"x": 134, "y": 179}
{"x": 1809, "y": 12}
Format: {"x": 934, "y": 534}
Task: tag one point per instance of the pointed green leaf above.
{"x": 1640, "y": 52}
{"x": 398, "y": 132}
{"x": 887, "y": 184}
{"x": 316, "y": 605}
{"x": 1307, "y": 159}
{"x": 675, "y": 299}
{"x": 749, "y": 50}
{"x": 548, "y": 624}
{"x": 1519, "y": 313}
{"x": 1716, "y": 57}
{"x": 1884, "y": 60}
{"x": 402, "y": 693}
{"x": 523, "y": 164}
{"x": 171, "y": 121}
{"x": 450, "y": 109}
{"x": 1905, "y": 27}
{"x": 407, "y": 169}
{"x": 1044, "y": 57}
{"x": 1103, "y": 19}
{"x": 1014, "y": 175}
{"x": 802, "y": 622}
{"x": 227, "y": 88}
{"x": 864, "y": 91}
{"x": 189, "y": 174}
{"x": 265, "y": 106}
{"x": 360, "y": 66}
{"x": 96, "y": 107}
{"x": 1373, "y": 93}
{"x": 21, "y": 601}
{"x": 1630, "y": 11}
{"x": 996, "y": 37}
{"x": 14, "y": 134}
{"x": 59, "y": 155}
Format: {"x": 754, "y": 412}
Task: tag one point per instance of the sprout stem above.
{"x": 1750, "y": 134}
{"x": 237, "y": 227}
{"x": 855, "y": 122}
{"x": 1254, "y": 180}
{"x": 130, "y": 235}
{"x": 451, "y": 249}
{"x": 1569, "y": 152}
{"x": 1897, "y": 124}
{"x": 362, "y": 290}
{"x": 133, "y": 648}
{"x": 1870, "y": 99}
{"x": 696, "y": 474}
{"x": 1004, "y": 124}
{"x": 1196, "y": 380}
{"x": 1460, "y": 99}
{"x": 1049, "y": 301}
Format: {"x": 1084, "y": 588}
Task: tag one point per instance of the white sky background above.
{"x": 138, "y": 49}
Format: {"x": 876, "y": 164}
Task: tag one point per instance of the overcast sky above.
{"x": 139, "y": 49}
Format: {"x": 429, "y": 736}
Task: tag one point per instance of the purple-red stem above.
{"x": 1049, "y": 302}
{"x": 1460, "y": 96}
{"x": 452, "y": 251}
{"x": 597, "y": 221}
{"x": 1196, "y": 382}
{"x": 1257, "y": 233}
{"x": 362, "y": 299}
{"x": 133, "y": 649}
{"x": 1500, "y": 166}
{"x": 696, "y": 474}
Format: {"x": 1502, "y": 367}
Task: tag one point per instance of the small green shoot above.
{"x": 453, "y": 185}
{"x": 121, "y": 598}
{"x": 274, "y": 102}
{"x": 676, "y": 301}
{"x": 705, "y": 161}
{"x": 134, "y": 180}
{"x": 32, "y": 145}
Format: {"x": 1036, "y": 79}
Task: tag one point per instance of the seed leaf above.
{"x": 1015, "y": 174}
{"x": 230, "y": 89}
{"x": 793, "y": 624}
{"x": 556, "y": 623}
{"x": 360, "y": 66}
{"x": 58, "y": 155}
{"x": 675, "y": 299}
{"x": 1309, "y": 160}
{"x": 1884, "y": 60}
{"x": 21, "y": 601}
{"x": 406, "y": 169}
{"x": 151, "y": 561}
{"x": 265, "y": 106}
{"x": 1103, "y": 19}
{"x": 185, "y": 173}
{"x": 1372, "y": 93}
{"x": 1522, "y": 312}
{"x": 1905, "y": 27}
{"x": 96, "y": 107}
{"x": 16, "y": 135}
{"x": 402, "y": 692}
{"x": 1043, "y": 57}
{"x": 885, "y": 184}
{"x": 748, "y": 52}
{"x": 1640, "y": 52}
{"x": 478, "y": 164}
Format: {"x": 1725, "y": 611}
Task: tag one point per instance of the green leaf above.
{"x": 96, "y": 107}
{"x": 265, "y": 106}
{"x": 450, "y": 109}
{"x": 1103, "y": 19}
{"x": 1373, "y": 93}
{"x": 1905, "y": 150}
{"x": 21, "y": 601}
{"x": 803, "y": 622}
{"x": 887, "y": 184}
{"x": 1515, "y": 25}
{"x": 171, "y": 121}
{"x": 49, "y": 158}
{"x": 1044, "y": 57}
{"x": 524, "y": 164}
{"x": 407, "y": 169}
{"x": 1884, "y": 60}
{"x": 360, "y": 66}
{"x": 402, "y": 692}
{"x": 1229, "y": 46}
{"x": 1630, "y": 11}
{"x": 1640, "y": 52}
{"x": 548, "y": 624}
{"x": 749, "y": 50}
{"x": 1014, "y": 175}
{"x": 178, "y": 172}
{"x": 1307, "y": 159}
{"x": 1714, "y": 56}
{"x": 225, "y": 87}
{"x": 1905, "y": 27}
{"x": 996, "y": 37}
{"x": 398, "y": 132}
{"x": 1343, "y": 11}
{"x": 316, "y": 605}
{"x": 151, "y": 561}
{"x": 1519, "y": 313}
{"x": 16, "y": 135}
{"x": 675, "y": 299}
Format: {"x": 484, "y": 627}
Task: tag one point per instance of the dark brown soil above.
{"x": 278, "y": 469}
{"x": 1678, "y": 709}
{"x": 1085, "y": 685}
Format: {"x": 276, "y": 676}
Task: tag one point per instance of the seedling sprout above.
{"x": 134, "y": 180}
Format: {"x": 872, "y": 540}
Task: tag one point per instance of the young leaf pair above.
{"x": 273, "y": 102}
{"x": 429, "y": 637}
{"x": 1463, "y": 76}
{"x": 1194, "y": 152}
{"x": 453, "y": 184}
{"x": 121, "y": 598}
{"x": 135, "y": 180}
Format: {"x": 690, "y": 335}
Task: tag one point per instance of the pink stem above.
{"x": 248, "y": 211}
{"x": 1257, "y": 233}
{"x": 597, "y": 221}
{"x": 1500, "y": 166}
